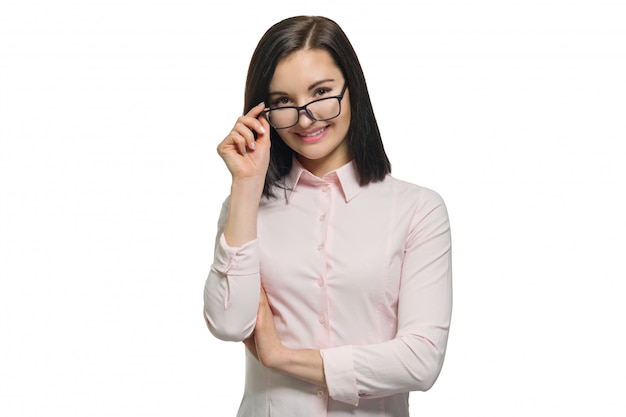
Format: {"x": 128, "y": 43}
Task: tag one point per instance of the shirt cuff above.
{"x": 340, "y": 375}
{"x": 243, "y": 260}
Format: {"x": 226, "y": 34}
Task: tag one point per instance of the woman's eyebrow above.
{"x": 311, "y": 87}
{"x": 315, "y": 84}
{"x": 277, "y": 93}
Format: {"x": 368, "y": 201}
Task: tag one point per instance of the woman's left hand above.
{"x": 264, "y": 343}
{"x": 305, "y": 364}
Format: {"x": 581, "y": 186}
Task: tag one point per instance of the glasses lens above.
{"x": 281, "y": 118}
{"x": 325, "y": 109}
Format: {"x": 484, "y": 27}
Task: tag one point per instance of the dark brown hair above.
{"x": 315, "y": 32}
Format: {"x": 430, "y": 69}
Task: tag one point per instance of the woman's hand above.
{"x": 264, "y": 343}
{"x": 244, "y": 156}
{"x": 247, "y": 160}
{"x": 305, "y": 364}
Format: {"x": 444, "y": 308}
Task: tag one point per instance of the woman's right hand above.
{"x": 244, "y": 156}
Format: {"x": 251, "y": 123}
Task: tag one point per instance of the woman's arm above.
{"x": 305, "y": 364}
{"x": 232, "y": 288}
{"x": 409, "y": 362}
{"x": 247, "y": 160}
{"x": 413, "y": 359}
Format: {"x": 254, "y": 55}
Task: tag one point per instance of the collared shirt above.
{"x": 362, "y": 273}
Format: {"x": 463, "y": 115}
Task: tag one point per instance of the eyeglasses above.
{"x": 320, "y": 110}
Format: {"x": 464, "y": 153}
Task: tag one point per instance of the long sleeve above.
{"x": 361, "y": 274}
{"x": 413, "y": 359}
{"x": 231, "y": 291}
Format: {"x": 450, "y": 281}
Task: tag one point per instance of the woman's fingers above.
{"x": 268, "y": 346}
{"x": 263, "y": 301}
{"x": 264, "y": 316}
{"x": 243, "y": 137}
{"x": 240, "y": 140}
{"x": 245, "y": 150}
{"x": 255, "y": 121}
{"x": 260, "y": 328}
{"x": 249, "y": 128}
{"x": 265, "y": 128}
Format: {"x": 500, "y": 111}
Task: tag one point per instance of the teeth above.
{"x": 315, "y": 133}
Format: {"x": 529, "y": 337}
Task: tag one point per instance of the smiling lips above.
{"x": 313, "y": 135}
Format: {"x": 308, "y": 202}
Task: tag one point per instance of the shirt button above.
{"x": 325, "y": 189}
{"x": 320, "y": 246}
{"x": 322, "y": 320}
{"x": 322, "y": 217}
{"x": 320, "y": 282}
{"x": 320, "y": 394}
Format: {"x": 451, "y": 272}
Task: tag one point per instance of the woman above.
{"x": 335, "y": 275}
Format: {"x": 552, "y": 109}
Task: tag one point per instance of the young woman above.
{"x": 335, "y": 275}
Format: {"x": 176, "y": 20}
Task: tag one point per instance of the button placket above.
{"x": 324, "y": 208}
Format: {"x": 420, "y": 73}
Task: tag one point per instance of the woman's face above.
{"x": 300, "y": 78}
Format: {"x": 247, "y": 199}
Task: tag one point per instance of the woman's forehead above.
{"x": 302, "y": 69}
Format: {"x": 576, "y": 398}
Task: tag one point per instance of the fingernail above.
{"x": 261, "y": 103}
{"x": 252, "y": 145}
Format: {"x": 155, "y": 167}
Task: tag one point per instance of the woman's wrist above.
{"x": 279, "y": 359}
{"x": 245, "y": 196}
{"x": 251, "y": 183}
{"x": 303, "y": 364}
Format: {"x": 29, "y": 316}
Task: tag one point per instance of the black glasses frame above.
{"x": 305, "y": 108}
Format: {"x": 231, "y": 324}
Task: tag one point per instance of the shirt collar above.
{"x": 346, "y": 177}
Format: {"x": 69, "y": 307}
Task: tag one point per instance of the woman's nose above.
{"x": 305, "y": 119}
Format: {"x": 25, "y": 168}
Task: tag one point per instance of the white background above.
{"x": 110, "y": 187}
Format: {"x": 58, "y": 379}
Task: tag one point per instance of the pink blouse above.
{"x": 361, "y": 273}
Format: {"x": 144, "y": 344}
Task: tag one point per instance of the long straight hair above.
{"x": 315, "y": 32}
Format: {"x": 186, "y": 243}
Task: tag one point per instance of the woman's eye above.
{"x": 281, "y": 101}
{"x": 322, "y": 91}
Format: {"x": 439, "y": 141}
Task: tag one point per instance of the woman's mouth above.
{"x": 312, "y": 136}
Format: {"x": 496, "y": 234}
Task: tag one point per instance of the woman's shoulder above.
{"x": 408, "y": 189}
{"x": 419, "y": 202}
